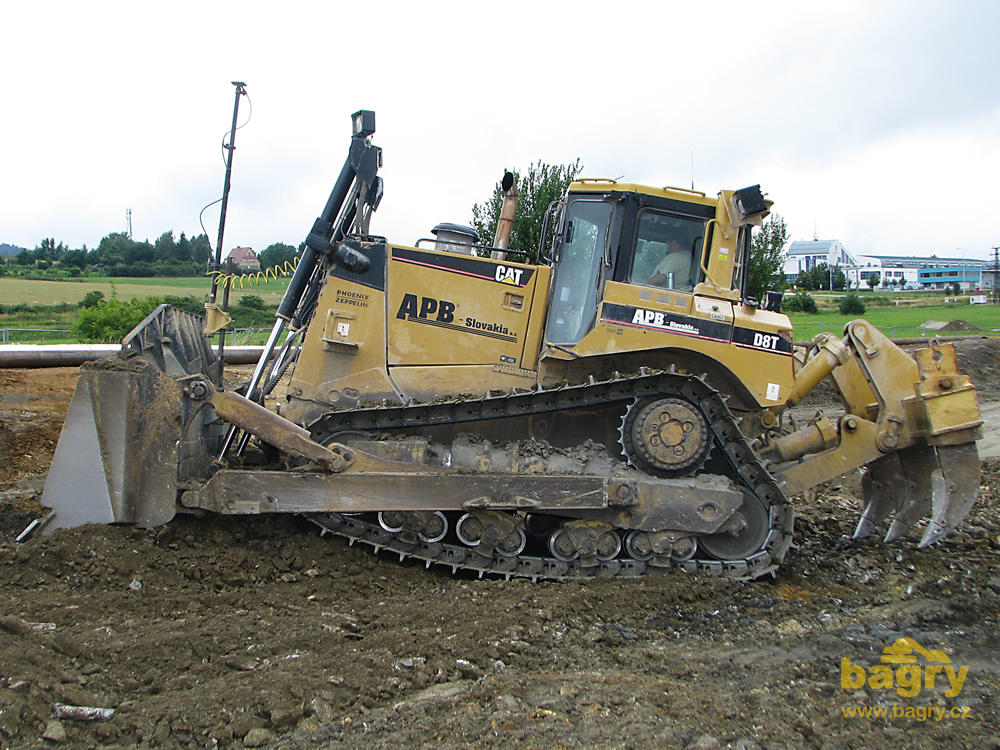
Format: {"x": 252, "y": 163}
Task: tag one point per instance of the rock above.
{"x": 745, "y": 743}
{"x": 14, "y": 624}
{"x": 322, "y": 710}
{"x": 257, "y": 738}
{"x": 67, "y": 645}
{"x": 162, "y": 733}
{"x": 994, "y": 584}
{"x": 240, "y": 662}
{"x": 242, "y": 724}
{"x": 705, "y": 742}
{"x": 54, "y": 731}
{"x": 284, "y": 717}
{"x": 446, "y": 692}
{"x": 508, "y": 702}
{"x": 791, "y": 626}
{"x": 467, "y": 669}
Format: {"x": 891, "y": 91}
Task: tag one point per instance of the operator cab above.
{"x": 623, "y": 235}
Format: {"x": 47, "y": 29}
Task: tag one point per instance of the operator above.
{"x": 674, "y": 271}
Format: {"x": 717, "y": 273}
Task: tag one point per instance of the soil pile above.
{"x": 251, "y": 632}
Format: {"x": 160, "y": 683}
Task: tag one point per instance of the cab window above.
{"x": 667, "y": 251}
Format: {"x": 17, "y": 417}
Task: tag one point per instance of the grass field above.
{"x": 902, "y": 322}
{"x": 52, "y": 327}
{"x": 13, "y": 291}
{"x": 899, "y": 321}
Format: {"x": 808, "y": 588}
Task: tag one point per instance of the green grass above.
{"x": 895, "y": 321}
{"x": 902, "y": 322}
{"x": 47, "y": 293}
{"x": 54, "y": 292}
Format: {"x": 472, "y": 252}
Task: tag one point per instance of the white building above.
{"x": 804, "y": 255}
{"x": 914, "y": 272}
{"x": 902, "y": 270}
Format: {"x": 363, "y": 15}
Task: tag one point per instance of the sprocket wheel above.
{"x": 665, "y": 437}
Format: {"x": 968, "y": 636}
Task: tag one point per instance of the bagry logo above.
{"x": 909, "y": 676}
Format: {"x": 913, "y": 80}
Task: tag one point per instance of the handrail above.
{"x": 704, "y": 253}
{"x": 525, "y": 253}
{"x": 684, "y": 190}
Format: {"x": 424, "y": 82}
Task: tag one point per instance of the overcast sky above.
{"x": 875, "y": 123}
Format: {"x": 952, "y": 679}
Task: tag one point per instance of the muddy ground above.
{"x": 258, "y": 632}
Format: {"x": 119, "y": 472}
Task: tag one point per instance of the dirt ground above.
{"x": 252, "y": 632}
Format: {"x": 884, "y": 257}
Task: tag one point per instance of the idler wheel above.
{"x": 747, "y": 532}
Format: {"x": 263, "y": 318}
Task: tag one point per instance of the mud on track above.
{"x": 233, "y": 632}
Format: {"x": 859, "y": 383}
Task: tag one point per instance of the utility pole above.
{"x": 211, "y": 306}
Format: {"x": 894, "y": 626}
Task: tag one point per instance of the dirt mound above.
{"x": 233, "y": 631}
{"x": 959, "y": 325}
{"x": 952, "y": 325}
{"x": 238, "y": 632}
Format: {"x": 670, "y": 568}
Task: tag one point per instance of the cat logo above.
{"x": 509, "y": 275}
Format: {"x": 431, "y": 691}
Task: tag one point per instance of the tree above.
{"x": 873, "y": 280}
{"x": 165, "y": 248}
{"x": 276, "y": 254}
{"x": 200, "y": 248}
{"x": 839, "y": 279}
{"x": 537, "y": 188}
{"x": 767, "y": 247}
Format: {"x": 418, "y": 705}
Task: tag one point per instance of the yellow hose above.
{"x": 223, "y": 279}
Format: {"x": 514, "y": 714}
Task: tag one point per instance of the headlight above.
{"x": 363, "y": 123}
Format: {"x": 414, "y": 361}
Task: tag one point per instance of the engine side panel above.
{"x": 451, "y": 309}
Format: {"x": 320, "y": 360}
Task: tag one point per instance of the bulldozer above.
{"x": 619, "y": 407}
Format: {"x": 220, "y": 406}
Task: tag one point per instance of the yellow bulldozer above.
{"x": 617, "y": 408}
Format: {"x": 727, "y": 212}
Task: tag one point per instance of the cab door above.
{"x": 582, "y": 251}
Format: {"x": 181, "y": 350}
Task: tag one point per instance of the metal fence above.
{"x": 32, "y": 335}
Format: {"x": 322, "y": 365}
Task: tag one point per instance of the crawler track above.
{"x": 744, "y": 468}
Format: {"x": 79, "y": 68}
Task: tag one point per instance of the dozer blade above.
{"x": 954, "y": 487}
{"x": 117, "y": 456}
{"x": 883, "y": 493}
{"x": 918, "y": 463}
{"x": 116, "y": 460}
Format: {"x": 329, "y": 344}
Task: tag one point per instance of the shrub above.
{"x": 109, "y": 320}
{"x": 188, "y": 304}
{"x": 253, "y": 301}
{"x": 851, "y": 304}
{"x": 800, "y": 302}
{"x": 879, "y": 300}
{"x": 91, "y": 298}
